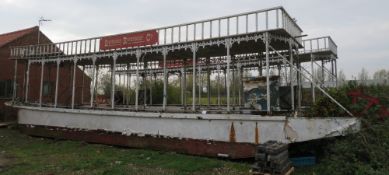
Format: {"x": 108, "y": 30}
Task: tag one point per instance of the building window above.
{"x": 47, "y": 88}
{"x": 6, "y": 88}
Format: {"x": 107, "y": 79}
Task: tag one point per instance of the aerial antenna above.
{"x": 40, "y": 22}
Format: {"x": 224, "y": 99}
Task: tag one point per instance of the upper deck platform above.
{"x": 320, "y": 48}
{"x": 243, "y": 30}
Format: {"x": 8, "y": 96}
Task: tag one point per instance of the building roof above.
{"x": 12, "y": 36}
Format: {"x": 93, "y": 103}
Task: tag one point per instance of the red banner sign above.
{"x": 129, "y": 40}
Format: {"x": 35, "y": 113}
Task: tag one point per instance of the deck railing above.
{"x": 319, "y": 44}
{"x": 244, "y": 23}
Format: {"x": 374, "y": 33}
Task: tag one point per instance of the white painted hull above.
{"x": 239, "y": 128}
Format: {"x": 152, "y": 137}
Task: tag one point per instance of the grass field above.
{"x": 21, "y": 154}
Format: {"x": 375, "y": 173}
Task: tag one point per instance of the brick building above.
{"x": 29, "y": 36}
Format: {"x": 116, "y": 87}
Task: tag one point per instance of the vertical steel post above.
{"x": 239, "y": 83}
{"x": 128, "y": 85}
{"x": 184, "y": 83}
{"x": 138, "y": 55}
{"x": 15, "y": 81}
{"x": 24, "y": 81}
{"x": 291, "y": 74}
{"x": 144, "y": 83}
{"x": 83, "y": 84}
{"x": 164, "y": 54}
{"x": 74, "y": 81}
{"x": 208, "y": 81}
{"x": 182, "y": 86}
{"x": 41, "y": 87}
{"x": 299, "y": 81}
{"x": 260, "y": 67}
{"x": 27, "y": 80}
{"x": 120, "y": 78}
{"x": 267, "y": 73}
{"x": 322, "y": 73}
{"x": 96, "y": 83}
{"x": 313, "y": 79}
{"x": 218, "y": 85}
{"x": 225, "y": 82}
{"x": 336, "y": 73}
{"x": 92, "y": 95}
{"x": 228, "y": 46}
{"x": 233, "y": 78}
{"x": 151, "y": 88}
{"x": 194, "y": 50}
{"x": 56, "y": 84}
{"x": 200, "y": 85}
{"x": 332, "y": 71}
{"x": 113, "y": 80}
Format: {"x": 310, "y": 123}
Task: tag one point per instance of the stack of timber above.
{"x": 272, "y": 158}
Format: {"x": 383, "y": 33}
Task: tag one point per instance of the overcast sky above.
{"x": 360, "y": 28}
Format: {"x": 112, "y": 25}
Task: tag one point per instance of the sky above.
{"x": 360, "y": 28}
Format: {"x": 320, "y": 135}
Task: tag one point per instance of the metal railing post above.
{"x": 194, "y": 50}
{"x": 313, "y": 74}
{"x": 27, "y": 80}
{"x": 56, "y": 83}
{"x": 138, "y": 55}
{"x": 92, "y": 95}
{"x": 228, "y": 46}
{"x": 113, "y": 80}
{"x": 15, "y": 81}
{"x": 291, "y": 75}
{"x": 164, "y": 54}
{"x": 41, "y": 83}
{"x": 267, "y": 74}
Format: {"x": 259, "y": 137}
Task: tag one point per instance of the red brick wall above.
{"x": 65, "y": 76}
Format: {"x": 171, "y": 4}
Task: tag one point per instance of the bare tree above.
{"x": 341, "y": 77}
{"x": 381, "y": 74}
{"x": 363, "y": 75}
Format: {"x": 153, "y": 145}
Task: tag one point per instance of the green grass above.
{"x": 23, "y": 154}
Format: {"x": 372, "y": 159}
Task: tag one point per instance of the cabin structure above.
{"x": 256, "y": 62}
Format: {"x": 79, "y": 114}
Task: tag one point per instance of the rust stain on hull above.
{"x": 232, "y": 133}
{"x": 186, "y": 146}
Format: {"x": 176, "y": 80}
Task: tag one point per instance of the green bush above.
{"x": 365, "y": 152}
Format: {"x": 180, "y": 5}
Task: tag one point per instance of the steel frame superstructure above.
{"x": 232, "y": 45}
